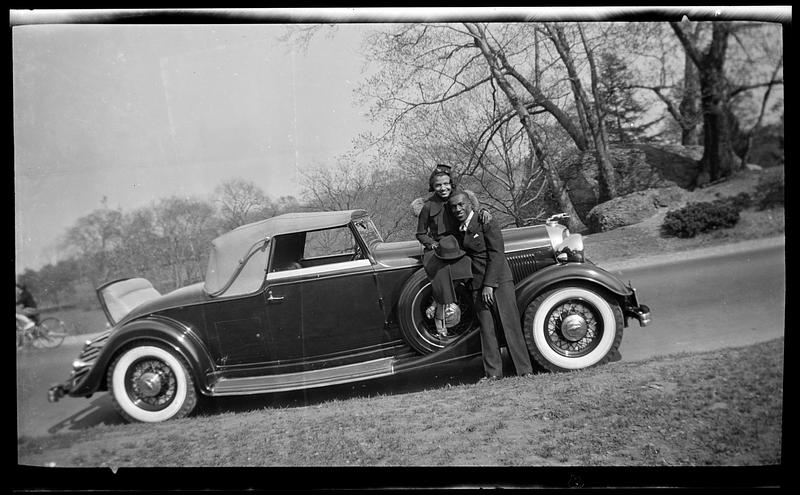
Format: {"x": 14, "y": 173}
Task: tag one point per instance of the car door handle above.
{"x": 271, "y": 298}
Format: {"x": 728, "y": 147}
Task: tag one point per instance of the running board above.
{"x": 304, "y": 379}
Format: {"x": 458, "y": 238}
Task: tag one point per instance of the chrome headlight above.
{"x": 557, "y": 234}
{"x": 570, "y": 249}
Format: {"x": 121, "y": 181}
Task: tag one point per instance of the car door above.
{"x": 327, "y": 307}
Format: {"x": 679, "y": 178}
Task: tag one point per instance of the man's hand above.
{"x": 488, "y": 295}
{"x": 484, "y": 216}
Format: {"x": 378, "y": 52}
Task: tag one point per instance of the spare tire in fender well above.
{"x": 420, "y": 333}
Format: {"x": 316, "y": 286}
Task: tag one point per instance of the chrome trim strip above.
{"x": 304, "y": 379}
{"x": 321, "y": 269}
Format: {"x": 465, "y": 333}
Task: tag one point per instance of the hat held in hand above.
{"x": 449, "y": 249}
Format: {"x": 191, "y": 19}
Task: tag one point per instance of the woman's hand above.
{"x": 484, "y": 216}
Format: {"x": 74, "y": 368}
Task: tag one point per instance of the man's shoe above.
{"x": 489, "y": 379}
{"x": 527, "y": 375}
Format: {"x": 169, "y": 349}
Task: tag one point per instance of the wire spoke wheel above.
{"x": 574, "y": 328}
{"x": 150, "y": 384}
{"x": 49, "y": 333}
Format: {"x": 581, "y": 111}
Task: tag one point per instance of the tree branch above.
{"x": 688, "y": 46}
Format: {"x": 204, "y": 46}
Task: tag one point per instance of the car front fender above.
{"x": 155, "y": 329}
{"x": 532, "y": 285}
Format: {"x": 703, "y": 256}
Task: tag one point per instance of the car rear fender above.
{"x": 586, "y": 273}
{"x": 155, "y": 329}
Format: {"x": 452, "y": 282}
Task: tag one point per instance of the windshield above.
{"x": 366, "y": 229}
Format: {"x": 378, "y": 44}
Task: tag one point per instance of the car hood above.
{"x": 191, "y": 294}
{"x": 401, "y": 253}
{"x": 410, "y": 252}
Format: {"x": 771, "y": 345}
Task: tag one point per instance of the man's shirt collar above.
{"x": 463, "y": 227}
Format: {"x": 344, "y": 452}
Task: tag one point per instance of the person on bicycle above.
{"x": 27, "y": 313}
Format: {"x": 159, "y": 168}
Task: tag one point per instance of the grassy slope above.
{"x": 714, "y": 408}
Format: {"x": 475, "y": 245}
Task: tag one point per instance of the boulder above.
{"x": 633, "y": 208}
{"x": 637, "y": 168}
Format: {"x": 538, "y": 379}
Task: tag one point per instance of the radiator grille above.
{"x": 522, "y": 264}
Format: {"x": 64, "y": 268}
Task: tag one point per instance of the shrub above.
{"x": 695, "y": 218}
{"x": 740, "y": 201}
{"x": 769, "y": 190}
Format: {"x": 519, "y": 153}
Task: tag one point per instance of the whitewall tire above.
{"x": 573, "y": 327}
{"x": 149, "y": 384}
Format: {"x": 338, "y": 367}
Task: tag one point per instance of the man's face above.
{"x": 460, "y": 206}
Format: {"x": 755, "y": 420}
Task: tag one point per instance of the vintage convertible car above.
{"x": 313, "y": 299}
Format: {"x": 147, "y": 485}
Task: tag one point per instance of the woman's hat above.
{"x": 449, "y": 249}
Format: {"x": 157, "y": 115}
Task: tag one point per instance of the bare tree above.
{"x": 184, "y": 227}
{"x": 430, "y": 69}
{"x": 93, "y": 239}
{"x": 716, "y": 90}
{"x": 588, "y": 111}
{"x": 349, "y": 185}
{"x": 240, "y": 202}
{"x": 497, "y": 63}
{"x": 757, "y": 125}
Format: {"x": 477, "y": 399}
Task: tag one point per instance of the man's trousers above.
{"x": 506, "y": 306}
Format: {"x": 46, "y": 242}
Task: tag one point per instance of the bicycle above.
{"x": 50, "y": 332}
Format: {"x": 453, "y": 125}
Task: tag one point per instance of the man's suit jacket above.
{"x": 484, "y": 245}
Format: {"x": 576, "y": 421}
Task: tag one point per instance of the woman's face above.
{"x": 441, "y": 186}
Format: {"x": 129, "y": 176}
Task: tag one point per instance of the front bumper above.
{"x": 73, "y": 385}
{"x": 635, "y": 310}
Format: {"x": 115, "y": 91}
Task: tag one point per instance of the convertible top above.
{"x": 229, "y": 249}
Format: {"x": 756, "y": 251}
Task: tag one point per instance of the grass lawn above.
{"x": 721, "y": 408}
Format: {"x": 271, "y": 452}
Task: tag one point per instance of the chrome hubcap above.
{"x": 573, "y": 328}
{"x": 149, "y": 384}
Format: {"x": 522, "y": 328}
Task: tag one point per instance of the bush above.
{"x": 740, "y": 201}
{"x": 769, "y": 191}
{"x": 695, "y": 218}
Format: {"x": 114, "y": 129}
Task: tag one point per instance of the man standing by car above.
{"x": 492, "y": 288}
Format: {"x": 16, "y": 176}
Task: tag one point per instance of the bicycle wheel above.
{"x": 51, "y": 333}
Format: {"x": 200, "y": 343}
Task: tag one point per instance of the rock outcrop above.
{"x": 638, "y": 168}
{"x": 633, "y": 208}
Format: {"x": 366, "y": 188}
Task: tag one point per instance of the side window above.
{"x": 287, "y": 253}
{"x": 337, "y": 244}
{"x": 315, "y": 248}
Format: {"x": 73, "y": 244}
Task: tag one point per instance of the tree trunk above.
{"x": 717, "y": 162}
{"x": 717, "y": 138}
{"x": 578, "y": 136}
{"x": 608, "y": 187}
{"x": 689, "y": 106}
{"x": 604, "y": 160}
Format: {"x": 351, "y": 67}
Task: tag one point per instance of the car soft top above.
{"x": 232, "y": 249}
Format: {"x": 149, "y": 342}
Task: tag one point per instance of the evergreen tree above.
{"x": 622, "y": 111}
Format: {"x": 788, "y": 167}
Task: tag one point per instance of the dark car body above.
{"x": 348, "y": 308}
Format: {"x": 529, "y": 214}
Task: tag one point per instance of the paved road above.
{"x": 704, "y": 300}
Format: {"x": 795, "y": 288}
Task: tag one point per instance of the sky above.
{"x": 135, "y": 113}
